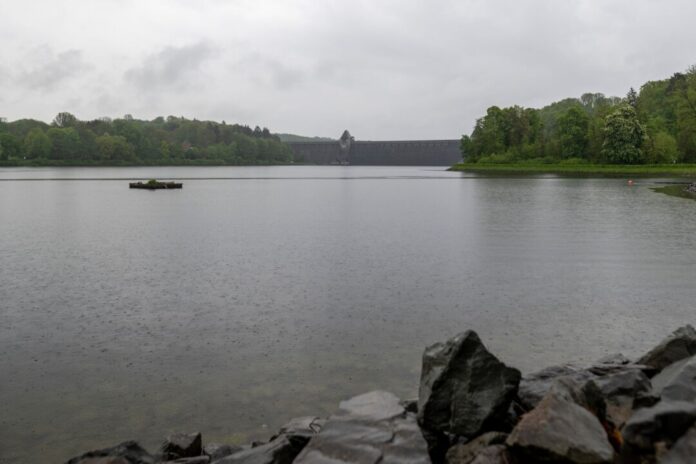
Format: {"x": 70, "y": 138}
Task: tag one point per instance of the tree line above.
{"x": 653, "y": 126}
{"x": 128, "y": 141}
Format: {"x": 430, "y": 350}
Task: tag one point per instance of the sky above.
{"x": 383, "y": 69}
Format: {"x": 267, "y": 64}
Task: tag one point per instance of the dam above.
{"x": 347, "y": 150}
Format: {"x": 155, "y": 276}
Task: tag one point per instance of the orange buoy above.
{"x": 630, "y": 182}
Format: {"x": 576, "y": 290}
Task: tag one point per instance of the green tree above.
{"x": 573, "y": 133}
{"x": 624, "y": 136}
{"x": 37, "y": 145}
{"x": 11, "y": 146}
{"x": 662, "y": 148}
{"x": 115, "y": 148}
{"x": 65, "y": 143}
{"x": 65, "y": 119}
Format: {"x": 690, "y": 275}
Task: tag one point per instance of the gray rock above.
{"x": 677, "y": 381}
{"x": 303, "y": 427}
{"x": 616, "y": 358}
{"x": 368, "y": 429}
{"x": 282, "y": 450}
{"x": 629, "y": 383}
{"x": 559, "y": 430}
{"x": 128, "y": 452}
{"x": 196, "y": 460}
{"x": 679, "y": 345}
{"x": 467, "y": 452}
{"x": 496, "y": 454}
{"x": 534, "y": 387}
{"x": 373, "y": 406}
{"x": 666, "y": 421}
{"x": 182, "y": 445}
{"x": 683, "y": 451}
{"x": 464, "y": 389}
{"x": 217, "y": 451}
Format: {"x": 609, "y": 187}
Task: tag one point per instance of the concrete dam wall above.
{"x": 347, "y": 150}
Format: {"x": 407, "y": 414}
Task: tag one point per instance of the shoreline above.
{"x": 580, "y": 170}
{"x": 474, "y": 409}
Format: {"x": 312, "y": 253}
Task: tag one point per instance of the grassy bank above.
{"x": 676, "y": 191}
{"x": 581, "y": 170}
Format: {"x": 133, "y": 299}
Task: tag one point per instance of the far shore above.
{"x": 581, "y": 170}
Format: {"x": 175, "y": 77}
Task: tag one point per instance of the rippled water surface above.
{"x": 257, "y": 294}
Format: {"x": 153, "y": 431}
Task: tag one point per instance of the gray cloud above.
{"x": 171, "y": 66}
{"x": 51, "y": 69}
{"x": 383, "y": 69}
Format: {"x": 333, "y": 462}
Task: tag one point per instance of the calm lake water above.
{"x": 257, "y": 294}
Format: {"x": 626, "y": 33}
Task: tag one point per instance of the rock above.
{"x": 666, "y": 421}
{"x": 679, "y": 345}
{"x": 410, "y": 405}
{"x": 495, "y": 454}
{"x": 282, "y": 450}
{"x": 616, "y": 358}
{"x": 691, "y": 188}
{"x": 558, "y": 430}
{"x": 302, "y": 427}
{"x": 534, "y": 387}
{"x": 466, "y": 453}
{"x": 182, "y": 445}
{"x": 368, "y": 429}
{"x": 128, "y": 452}
{"x": 217, "y": 451}
{"x": 196, "y": 460}
{"x": 683, "y": 450}
{"x": 628, "y": 383}
{"x": 374, "y": 406}
{"x": 464, "y": 389}
{"x": 677, "y": 381}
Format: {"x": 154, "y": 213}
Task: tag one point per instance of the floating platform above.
{"x": 155, "y": 185}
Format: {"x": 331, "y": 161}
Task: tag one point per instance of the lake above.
{"x": 257, "y": 294}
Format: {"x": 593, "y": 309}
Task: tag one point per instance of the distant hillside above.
{"x": 302, "y": 138}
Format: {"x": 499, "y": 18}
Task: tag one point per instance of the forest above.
{"x": 656, "y": 125}
{"x": 128, "y": 141}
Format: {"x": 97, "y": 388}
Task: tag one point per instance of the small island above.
{"x": 154, "y": 184}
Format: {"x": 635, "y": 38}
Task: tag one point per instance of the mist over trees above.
{"x": 130, "y": 141}
{"x": 654, "y": 125}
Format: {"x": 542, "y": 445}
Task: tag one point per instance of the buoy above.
{"x": 630, "y": 182}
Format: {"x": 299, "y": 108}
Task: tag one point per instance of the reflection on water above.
{"x": 237, "y": 303}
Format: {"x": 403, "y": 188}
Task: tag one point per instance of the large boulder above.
{"x": 559, "y": 430}
{"x": 677, "y": 381}
{"x": 495, "y": 454}
{"x": 464, "y": 389}
{"x": 128, "y": 452}
{"x": 217, "y": 451}
{"x": 369, "y": 428}
{"x": 535, "y": 386}
{"x": 679, "y": 345}
{"x": 664, "y": 422}
{"x": 182, "y": 445}
{"x": 467, "y": 452}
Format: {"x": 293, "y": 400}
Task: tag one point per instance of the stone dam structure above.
{"x": 347, "y": 150}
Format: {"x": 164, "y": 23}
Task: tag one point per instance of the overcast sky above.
{"x": 382, "y": 69}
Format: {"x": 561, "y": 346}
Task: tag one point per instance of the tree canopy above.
{"x": 654, "y": 125}
{"x": 171, "y": 140}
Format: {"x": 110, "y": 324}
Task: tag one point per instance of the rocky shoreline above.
{"x": 691, "y": 188}
{"x": 472, "y": 408}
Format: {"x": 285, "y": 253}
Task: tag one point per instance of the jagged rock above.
{"x": 368, "y": 429}
{"x": 679, "y": 345}
{"x": 666, "y": 421}
{"x": 559, "y": 430}
{"x": 629, "y": 383}
{"x": 128, "y": 452}
{"x": 683, "y": 451}
{"x": 467, "y": 452}
{"x": 282, "y": 450}
{"x": 182, "y": 445}
{"x": 534, "y": 387}
{"x": 217, "y": 451}
{"x": 677, "y": 381}
{"x": 410, "y": 405}
{"x": 464, "y": 389}
{"x": 496, "y": 454}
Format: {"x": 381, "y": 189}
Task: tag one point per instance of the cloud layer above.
{"x": 383, "y": 69}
